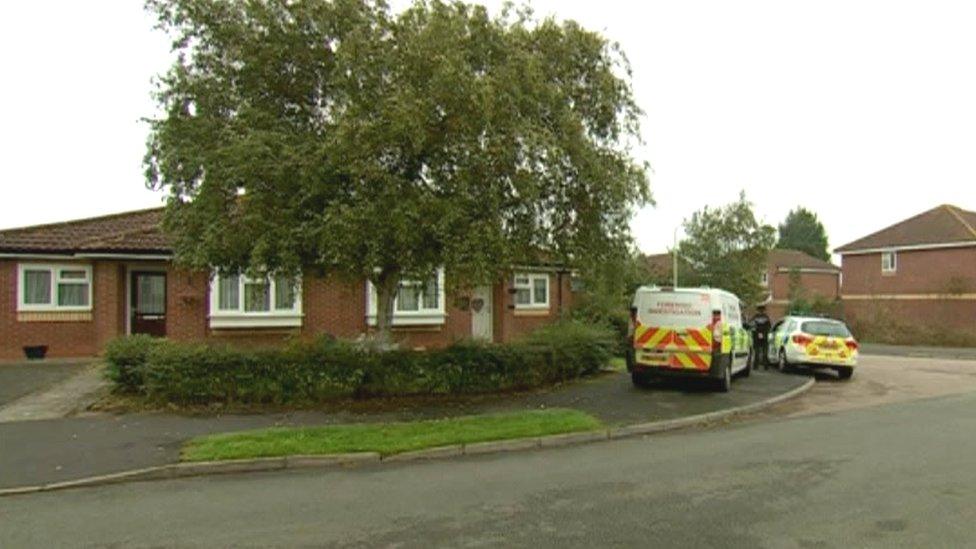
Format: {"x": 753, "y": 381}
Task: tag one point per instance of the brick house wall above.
{"x": 814, "y": 284}
{"x": 67, "y": 334}
{"x": 918, "y": 272}
{"x": 510, "y": 323}
{"x": 330, "y": 306}
{"x": 934, "y": 287}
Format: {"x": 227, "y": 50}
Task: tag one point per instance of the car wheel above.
{"x": 782, "y": 365}
{"x": 845, "y": 372}
{"x": 725, "y": 384}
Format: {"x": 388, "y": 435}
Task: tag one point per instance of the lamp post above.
{"x": 674, "y": 259}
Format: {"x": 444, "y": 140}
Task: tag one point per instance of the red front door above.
{"x": 148, "y": 303}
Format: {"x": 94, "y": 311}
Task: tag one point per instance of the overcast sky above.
{"x": 864, "y": 112}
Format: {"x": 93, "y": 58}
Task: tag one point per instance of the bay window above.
{"x": 53, "y": 288}
{"x": 242, "y": 301}
{"x": 416, "y": 302}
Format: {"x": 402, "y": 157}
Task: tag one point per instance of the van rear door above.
{"x": 673, "y": 329}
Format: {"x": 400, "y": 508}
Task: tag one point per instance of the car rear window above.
{"x": 825, "y": 328}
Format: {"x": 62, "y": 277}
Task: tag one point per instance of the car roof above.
{"x": 812, "y": 318}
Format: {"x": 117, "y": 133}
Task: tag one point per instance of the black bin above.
{"x": 35, "y": 352}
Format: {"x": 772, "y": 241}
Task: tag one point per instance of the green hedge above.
{"x": 127, "y": 357}
{"x": 316, "y": 371}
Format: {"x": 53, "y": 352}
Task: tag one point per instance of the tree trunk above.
{"x": 386, "y": 284}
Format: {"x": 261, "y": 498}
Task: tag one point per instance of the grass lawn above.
{"x": 386, "y": 438}
{"x": 618, "y": 364}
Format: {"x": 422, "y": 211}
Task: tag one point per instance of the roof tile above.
{"x": 795, "y": 259}
{"x": 136, "y": 231}
{"x": 944, "y": 224}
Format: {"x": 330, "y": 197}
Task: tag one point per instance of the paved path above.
{"x": 60, "y": 399}
{"x": 883, "y": 476}
{"x": 19, "y": 379}
{"x": 38, "y": 452}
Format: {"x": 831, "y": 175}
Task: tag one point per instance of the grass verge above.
{"x": 386, "y": 438}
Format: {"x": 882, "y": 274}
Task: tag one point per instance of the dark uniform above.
{"x": 761, "y": 325}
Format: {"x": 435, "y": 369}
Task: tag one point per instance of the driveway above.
{"x": 19, "y": 379}
{"x": 64, "y": 449}
{"x": 882, "y": 380}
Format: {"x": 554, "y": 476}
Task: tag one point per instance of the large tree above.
{"x": 803, "y": 231}
{"x": 338, "y": 136}
{"x": 727, "y": 248}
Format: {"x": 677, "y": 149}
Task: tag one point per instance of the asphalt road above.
{"x": 895, "y": 474}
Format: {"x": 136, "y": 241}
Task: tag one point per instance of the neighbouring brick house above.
{"x": 74, "y": 286}
{"x": 813, "y": 278}
{"x": 921, "y": 271}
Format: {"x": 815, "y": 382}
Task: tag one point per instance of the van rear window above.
{"x": 674, "y": 309}
{"x": 824, "y": 328}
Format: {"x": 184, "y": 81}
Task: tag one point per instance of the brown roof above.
{"x": 795, "y": 259}
{"x": 659, "y": 263}
{"x": 130, "y": 232}
{"x": 945, "y": 224}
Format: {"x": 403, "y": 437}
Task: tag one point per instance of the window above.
{"x": 764, "y": 279}
{"x": 416, "y": 296}
{"x": 531, "y": 291}
{"x": 825, "y": 328}
{"x": 54, "y": 287}
{"x": 889, "y": 262}
{"x": 242, "y": 301}
{"x": 416, "y": 303}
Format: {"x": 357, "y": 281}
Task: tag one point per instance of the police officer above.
{"x": 761, "y": 325}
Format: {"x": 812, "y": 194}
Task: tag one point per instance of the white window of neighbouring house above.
{"x": 531, "y": 291}
{"x": 245, "y": 302}
{"x": 54, "y": 287}
{"x": 889, "y": 262}
{"x": 765, "y": 279}
{"x": 416, "y": 303}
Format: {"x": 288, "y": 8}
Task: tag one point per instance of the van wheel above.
{"x": 639, "y": 379}
{"x": 725, "y": 384}
{"x": 782, "y": 365}
{"x": 845, "y": 372}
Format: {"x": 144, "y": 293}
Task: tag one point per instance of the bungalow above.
{"x": 919, "y": 271}
{"x": 74, "y": 286}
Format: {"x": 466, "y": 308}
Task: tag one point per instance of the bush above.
{"x": 615, "y": 319}
{"x": 325, "y": 369}
{"x": 126, "y": 357}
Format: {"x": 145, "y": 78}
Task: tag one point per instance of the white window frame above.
{"x": 532, "y": 277}
{"x": 765, "y": 279}
{"x": 891, "y": 267}
{"x": 421, "y": 317}
{"x": 55, "y": 269}
{"x": 239, "y": 318}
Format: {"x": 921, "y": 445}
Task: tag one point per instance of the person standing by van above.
{"x": 761, "y": 325}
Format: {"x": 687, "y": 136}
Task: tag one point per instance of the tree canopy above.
{"x": 803, "y": 231}
{"x": 340, "y": 136}
{"x": 727, "y": 248}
